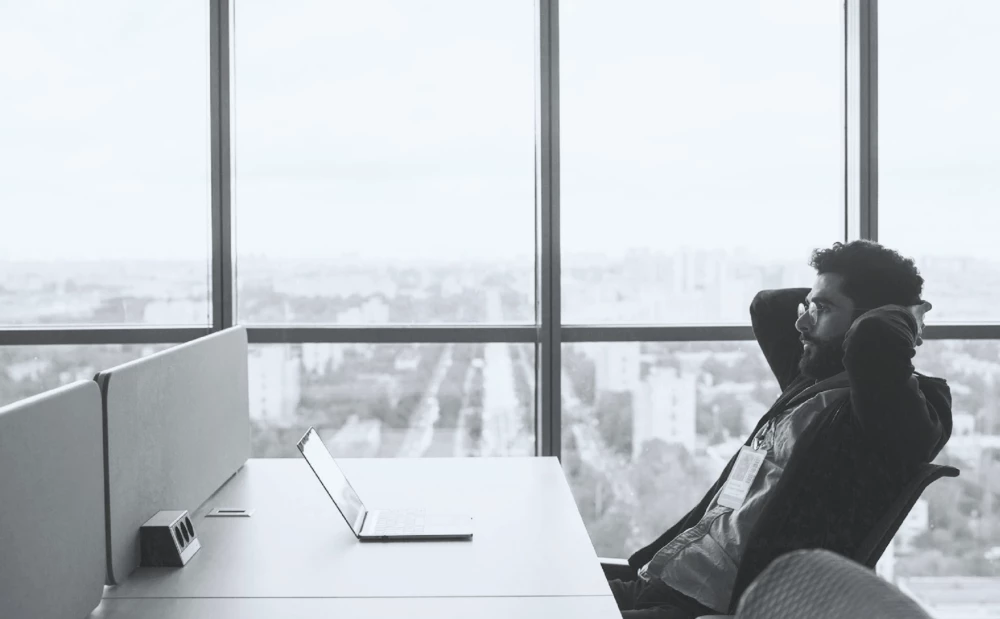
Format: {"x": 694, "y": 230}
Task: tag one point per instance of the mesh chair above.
{"x": 871, "y": 548}
{"x": 820, "y": 584}
{"x": 885, "y": 529}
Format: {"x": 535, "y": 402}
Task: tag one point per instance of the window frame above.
{"x": 548, "y": 333}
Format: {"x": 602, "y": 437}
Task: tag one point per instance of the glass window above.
{"x": 384, "y": 161}
{"x": 939, "y": 130}
{"x": 26, "y": 371}
{"x": 394, "y": 400}
{"x": 647, "y": 427}
{"x": 947, "y": 551}
{"x": 104, "y": 163}
{"x": 701, "y": 154}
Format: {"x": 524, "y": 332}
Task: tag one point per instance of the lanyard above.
{"x": 761, "y": 439}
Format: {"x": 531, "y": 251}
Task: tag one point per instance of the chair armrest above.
{"x": 617, "y": 569}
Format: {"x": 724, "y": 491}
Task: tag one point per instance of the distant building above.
{"x": 407, "y": 361}
{"x": 715, "y": 457}
{"x": 886, "y": 566}
{"x": 955, "y": 597}
{"x": 692, "y": 361}
{"x": 373, "y": 311}
{"x": 796, "y": 274}
{"x": 175, "y": 312}
{"x": 33, "y": 368}
{"x": 917, "y": 521}
{"x": 76, "y": 306}
{"x": 357, "y": 438}
{"x": 320, "y": 359}
{"x": 274, "y": 381}
{"x": 752, "y": 413}
{"x": 617, "y": 366}
{"x": 333, "y": 283}
{"x": 665, "y": 409}
{"x": 86, "y": 372}
{"x": 969, "y": 448}
{"x": 451, "y": 286}
{"x": 963, "y": 424}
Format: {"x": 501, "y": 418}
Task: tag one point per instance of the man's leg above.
{"x": 626, "y": 592}
{"x": 638, "y": 600}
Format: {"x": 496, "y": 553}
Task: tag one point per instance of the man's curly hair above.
{"x": 873, "y": 275}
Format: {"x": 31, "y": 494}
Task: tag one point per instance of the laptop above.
{"x": 380, "y": 525}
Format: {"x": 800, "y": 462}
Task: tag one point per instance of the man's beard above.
{"x": 823, "y": 359}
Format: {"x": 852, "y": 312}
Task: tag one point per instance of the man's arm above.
{"x": 885, "y": 395}
{"x": 773, "y": 314}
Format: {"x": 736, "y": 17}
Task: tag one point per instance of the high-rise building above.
{"x": 664, "y": 408}
{"x": 175, "y": 311}
{"x": 318, "y": 359}
{"x": 274, "y": 375}
{"x": 886, "y": 566}
{"x": 916, "y": 522}
{"x": 617, "y": 366}
{"x": 963, "y": 424}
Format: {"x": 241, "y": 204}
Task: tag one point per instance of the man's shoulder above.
{"x": 935, "y": 385}
{"x": 932, "y": 382}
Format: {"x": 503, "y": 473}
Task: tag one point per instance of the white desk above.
{"x": 529, "y": 537}
{"x": 580, "y": 607}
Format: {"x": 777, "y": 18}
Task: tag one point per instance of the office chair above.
{"x": 874, "y": 544}
{"x": 820, "y": 584}
{"x": 885, "y": 529}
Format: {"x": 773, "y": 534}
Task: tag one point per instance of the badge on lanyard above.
{"x": 735, "y": 490}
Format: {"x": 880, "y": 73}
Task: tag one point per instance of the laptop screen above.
{"x": 333, "y": 479}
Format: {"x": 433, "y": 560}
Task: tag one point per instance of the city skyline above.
{"x": 683, "y": 287}
{"x": 645, "y": 425}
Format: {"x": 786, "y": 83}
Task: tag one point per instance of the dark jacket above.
{"x": 852, "y": 461}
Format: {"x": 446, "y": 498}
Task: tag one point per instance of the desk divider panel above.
{"x": 52, "y": 505}
{"x": 177, "y": 426}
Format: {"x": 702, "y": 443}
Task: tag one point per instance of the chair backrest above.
{"x": 820, "y": 584}
{"x": 868, "y": 554}
{"x": 885, "y": 529}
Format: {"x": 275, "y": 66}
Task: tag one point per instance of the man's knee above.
{"x": 626, "y": 592}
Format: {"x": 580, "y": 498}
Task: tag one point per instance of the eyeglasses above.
{"x": 812, "y": 309}
{"x": 815, "y": 310}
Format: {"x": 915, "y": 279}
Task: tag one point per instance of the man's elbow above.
{"x": 938, "y": 405}
{"x": 759, "y": 303}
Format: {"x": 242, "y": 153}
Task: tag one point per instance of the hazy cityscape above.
{"x": 646, "y": 426}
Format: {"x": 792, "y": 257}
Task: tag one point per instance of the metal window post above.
{"x": 223, "y": 284}
{"x": 861, "y": 104}
{"x": 868, "y": 88}
{"x": 548, "y": 411}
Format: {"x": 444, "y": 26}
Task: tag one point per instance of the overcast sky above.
{"x": 406, "y": 129}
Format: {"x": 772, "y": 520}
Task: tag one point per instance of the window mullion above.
{"x": 223, "y": 293}
{"x": 861, "y": 102}
{"x": 547, "y": 277}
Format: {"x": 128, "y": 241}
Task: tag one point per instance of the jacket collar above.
{"x": 837, "y": 381}
{"x": 800, "y": 390}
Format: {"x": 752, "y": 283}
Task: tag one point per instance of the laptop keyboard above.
{"x": 400, "y": 522}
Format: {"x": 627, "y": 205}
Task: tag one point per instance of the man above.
{"x": 852, "y": 425}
